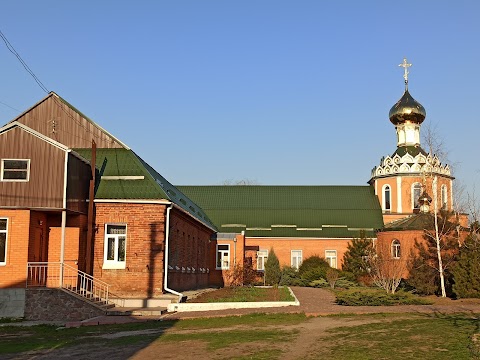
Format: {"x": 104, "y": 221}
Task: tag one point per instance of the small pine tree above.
{"x": 356, "y": 259}
{"x": 467, "y": 268}
{"x": 273, "y": 274}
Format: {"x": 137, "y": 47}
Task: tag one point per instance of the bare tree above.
{"x": 245, "y": 182}
{"x": 436, "y": 147}
{"x": 387, "y": 272}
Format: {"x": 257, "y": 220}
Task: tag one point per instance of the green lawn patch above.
{"x": 428, "y": 338}
{"x": 245, "y": 294}
{"x": 374, "y": 297}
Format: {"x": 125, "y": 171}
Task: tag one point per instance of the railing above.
{"x": 58, "y": 275}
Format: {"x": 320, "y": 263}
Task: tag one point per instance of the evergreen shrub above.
{"x": 373, "y": 297}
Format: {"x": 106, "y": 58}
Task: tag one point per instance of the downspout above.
{"x": 165, "y": 256}
{"x": 64, "y": 217}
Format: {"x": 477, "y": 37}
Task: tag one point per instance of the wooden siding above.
{"x": 78, "y": 181}
{"x": 56, "y": 120}
{"x": 45, "y": 186}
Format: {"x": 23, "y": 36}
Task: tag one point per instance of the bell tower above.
{"x": 402, "y": 177}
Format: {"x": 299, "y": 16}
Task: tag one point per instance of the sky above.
{"x": 276, "y": 92}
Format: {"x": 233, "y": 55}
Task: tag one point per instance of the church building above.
{"x": 81, "y": 212}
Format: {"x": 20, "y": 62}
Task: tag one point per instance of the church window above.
{"x": 416, "y": 192}
{"x": 387, "y": 198}
{"x": 444, "y": 197}
{"x": 396, "y": 249}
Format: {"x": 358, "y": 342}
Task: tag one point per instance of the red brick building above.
{"x": 82, "y": 211}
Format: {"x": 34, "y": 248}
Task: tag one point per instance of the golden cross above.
{"x": 405, "y": 66}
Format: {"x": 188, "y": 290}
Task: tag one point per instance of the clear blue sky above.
{"x": 281, "y": 92}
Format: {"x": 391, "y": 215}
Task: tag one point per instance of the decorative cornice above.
{"x": 408, "y": 164}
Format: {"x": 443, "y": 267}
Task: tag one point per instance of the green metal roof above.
{"x": 290, "y": 211}
{"x": 412, "y": 150}
{"x": 120, "y": 162}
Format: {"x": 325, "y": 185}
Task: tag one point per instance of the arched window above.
{"x": 387, "y": 195}
{"x": 444, "y": 197}
{"x": 416, "y": 192}
{"x": 396, "y": 249}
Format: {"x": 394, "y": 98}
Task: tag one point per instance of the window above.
{"x": 416, "y": 192}
{"x": 3, "y": 241}
{"x": 115, "y": 246}
{"x": 331, "y": 257}
{"x": 444, "y": 197}
{"x": 262, "y": 256}
{"x": 223, "y": 257}
{"x": 396, "y": 249}
{"x": 296, "y": 256}
{"x": 15, "y": 169}
{"x": 387, "y": 198}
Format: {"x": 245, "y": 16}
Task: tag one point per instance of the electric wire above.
{"x": 44, "y": 88}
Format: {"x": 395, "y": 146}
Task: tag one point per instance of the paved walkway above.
{"x": 316, "y": 302}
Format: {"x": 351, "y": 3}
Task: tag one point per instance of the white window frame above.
{"x": 396, "y": 249}
{"x": 4, "y": 262}
{"x": 115, "y": 263}
{"x": 2, "y": 165}
{"x": 224, "y": 257}
{"x": 262, "y": 256}
{"x": 444, "y": 197}
{"x": 413, "y": 195}
{"x": 331, "y": 258}
{"x": 384, "y": 204}
{"x": 296, "y": 255}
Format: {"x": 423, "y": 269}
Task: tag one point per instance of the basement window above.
{"x": 15, "y": 169}
{"x": 115, "y": 246}
{"x": 3, "y": 241}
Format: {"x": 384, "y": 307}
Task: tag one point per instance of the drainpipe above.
{"x": 64, "y": 217}
{"x": 165, "y": 256}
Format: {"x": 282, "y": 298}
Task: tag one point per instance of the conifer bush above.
{"x": 273, "y": 274}
{"x": 467, "y": 269}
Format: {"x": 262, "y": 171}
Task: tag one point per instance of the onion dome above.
{"x": 407, "y": 109}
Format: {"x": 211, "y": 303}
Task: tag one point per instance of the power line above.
{"x": 43, "y": 87}
{"x": 11, "y": 107}
{"x": 24, "y": 64}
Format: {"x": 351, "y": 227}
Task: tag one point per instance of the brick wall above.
{"x": 143, "y": 272}
{"x": 144, "y": 265}
{"x": 189, "y": 250}
{"x": 13, "y": 274}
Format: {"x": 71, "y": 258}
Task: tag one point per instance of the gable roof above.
{"x": 54, "y": 107}
{"x": 15, "y": 124}
{"x": 126, "y": 176}
{"x": 290, "y": 211}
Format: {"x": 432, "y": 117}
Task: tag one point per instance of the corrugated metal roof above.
{"x": 290, "y": 211}
{"x": 148, "y": 185}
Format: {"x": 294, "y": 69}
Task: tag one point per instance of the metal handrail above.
{"x": 58, "y": 275}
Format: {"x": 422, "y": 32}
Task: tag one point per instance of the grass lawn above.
{"x": 258, "y": 336}
{"x": 245, "y": 294}
{"x": 425, "y": 337}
